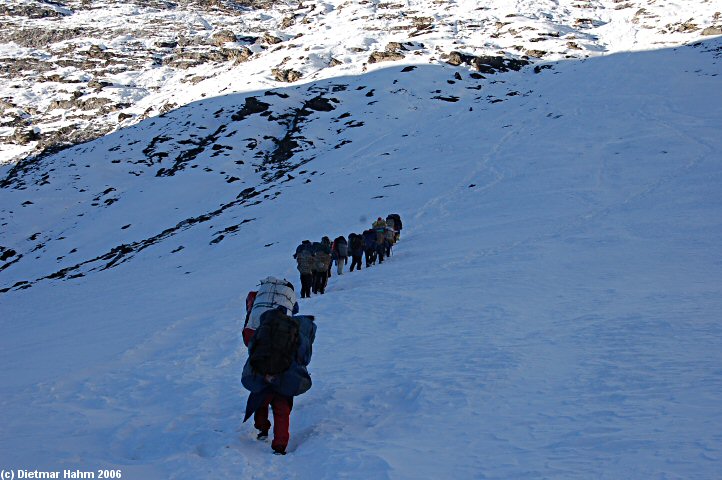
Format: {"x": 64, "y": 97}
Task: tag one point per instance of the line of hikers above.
{"x": 314, "y": 260}
{"x": 280, "y": 342}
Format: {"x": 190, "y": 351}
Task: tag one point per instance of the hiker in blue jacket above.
{"x": 370, "y": 247}
{"x": 277, "y": 391}
{"x": 356, "y": 250}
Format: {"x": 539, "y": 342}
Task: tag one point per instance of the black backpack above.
{"x": 275, "y": 343}
{"x": 357, "y": 243}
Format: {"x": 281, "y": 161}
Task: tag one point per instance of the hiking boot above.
{"x": 262, "y": 435}
{"x": 279, "y": 449}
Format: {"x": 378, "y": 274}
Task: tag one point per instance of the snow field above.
{"x": 551, "y": 310}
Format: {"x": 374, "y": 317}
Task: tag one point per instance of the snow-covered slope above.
{"x": 551, "y": 310}
{"x": 75, "y": 70}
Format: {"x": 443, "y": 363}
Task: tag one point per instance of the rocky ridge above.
{"x": 76, "y": 70}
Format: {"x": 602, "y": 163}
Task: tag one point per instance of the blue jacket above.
{"x": 370, "y": 239}
{"x": 356, "y": 248}
{"x": 294, "y": 381}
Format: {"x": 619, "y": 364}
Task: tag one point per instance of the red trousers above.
{"x": 281, "y": 406}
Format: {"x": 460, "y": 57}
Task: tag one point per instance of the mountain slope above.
{"x": 550, "y": 311}
{"x": 74, "y": 70}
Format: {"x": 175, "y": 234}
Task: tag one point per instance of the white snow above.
{"x": 551, "y": 311}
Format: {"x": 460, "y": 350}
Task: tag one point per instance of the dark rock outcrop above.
{"x": 485, "y": 63}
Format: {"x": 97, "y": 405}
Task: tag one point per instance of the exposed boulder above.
{"x": 536, "y": 53}
{"x": 96, "y": 51}
{"x": 23, "y": 136}
{"x": 40, "y": 38}
{"x": 573, "y": 46}
{"x": 269, "y": 39}
{"x": 287, "y": 22}
{"x": 492, "y": 64}
{"x": 287, "y": 75}
{"x": 394, "y": 47}
{"x": 682, "y": 27}
{"x": 98, "y": 85}
{"x": 485, "y": 63}
{"x": 166, "y": 43}
{"x": 238, "y": 55}
{"x": 33, "y": 11}
{"x": 93, "y": 103}
{"x": 320, "y": 104}
{"x": 192, "y": 58}
{"x": 457, "y": 58}
{"x": 252, "y": 105}
{"x": 6, "y": 254}
{"x": 377, "y": 57}
{"x": 714, "y": 30}
{"x": 222, "y": 37}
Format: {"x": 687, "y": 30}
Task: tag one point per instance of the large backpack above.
{"x": 390, "y": 235}
{"x": 341, "y": 247}
{"x": 357, "y": 243}
{"x": 321, "y": 262}
{"x": 397, "y": 221}
{"x": 305, "y": 262}
{"x": 380, "y": 235}
{"x": 275, "y": 343}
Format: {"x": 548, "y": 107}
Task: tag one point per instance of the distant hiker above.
{"x": 327, "y": 243}
{"x": 397, "y": 224}
{"x": 380, "y": 228}
{"x": 380, "y": 247}
{"x": 391, "y": 229}
{"x": 305, "y": 245}
{"x": 272, "y": 294}
{"x": 304, "y": 263}
{"x": 321, "y": 266}
{"x": 275, "y": 372}
{"x": 389, "y": 238}
{"x": 339, "y": 253}
{"x": 369, "y": 237}
{"x": 356, "y": 250}
{"x": 391, "y": 222}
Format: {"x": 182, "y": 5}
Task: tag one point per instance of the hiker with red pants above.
{"x": 276, "y": 371}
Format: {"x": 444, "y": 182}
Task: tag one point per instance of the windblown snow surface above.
{"x": 552, "y": 309}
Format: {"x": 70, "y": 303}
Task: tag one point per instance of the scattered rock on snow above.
{"x": 714, "y": 30}
{"x": 320, "y": 104}
{"x": 25, "y": 136}
{"x": 287, "y": 75}
{"x": 222, "y": 37}
{"x": 377, "y": 57}
{"x": 535, "y": 53}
